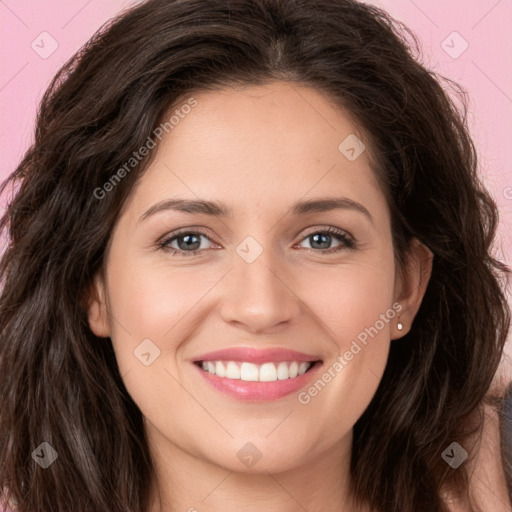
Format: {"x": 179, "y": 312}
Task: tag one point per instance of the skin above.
{"x": 257, "y": 150}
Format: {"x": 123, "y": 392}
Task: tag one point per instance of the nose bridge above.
{"x": 258, "y": 296}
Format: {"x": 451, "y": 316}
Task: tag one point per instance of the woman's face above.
{"x": 265, "y": 279}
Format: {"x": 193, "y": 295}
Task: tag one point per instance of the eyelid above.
{"x": 328, "y": 229}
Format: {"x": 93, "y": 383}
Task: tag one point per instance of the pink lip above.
{"x": 258, "y": 391}
{"x": 256, "y": 356}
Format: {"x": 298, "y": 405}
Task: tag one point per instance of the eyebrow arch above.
{"x": 328, "y": 204}
{"x": 212, "y": 208}
{"x": 216, "y": 209}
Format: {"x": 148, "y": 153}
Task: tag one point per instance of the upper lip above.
{"x": 256, "y": 355}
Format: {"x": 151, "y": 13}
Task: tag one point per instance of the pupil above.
{"x": 321, "y": 239}
{"x": 189, "y": 241}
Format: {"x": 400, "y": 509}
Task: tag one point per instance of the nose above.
{"x": 258, "y": 296}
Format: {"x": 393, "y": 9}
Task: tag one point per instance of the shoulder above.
{"x": 489, "y": 480}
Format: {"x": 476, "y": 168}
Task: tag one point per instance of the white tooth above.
{"x": 282, "y": 371}
{"x": 303, "y": 367}
{"x": 220, "y": 370}
{"x": 232, "y": 371}
{"x": 249, "y": 371}
{"x": 268, "y": 372}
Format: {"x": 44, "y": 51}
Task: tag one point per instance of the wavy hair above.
{"x": 60, "y": 383}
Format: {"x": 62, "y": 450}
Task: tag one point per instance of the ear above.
{"x": 411, "y": 284}
{"x": 97, "y": 308}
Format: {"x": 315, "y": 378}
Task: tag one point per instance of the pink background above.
{"x": 30, "y": 30}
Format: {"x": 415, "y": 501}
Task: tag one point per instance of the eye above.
{"x": 187, "y": 243}
{"x": 322, "y": 239}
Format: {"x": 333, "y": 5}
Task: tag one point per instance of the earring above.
{"x": 400, "y": 325}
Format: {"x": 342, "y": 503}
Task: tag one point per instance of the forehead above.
{"x": 259, "y": 145}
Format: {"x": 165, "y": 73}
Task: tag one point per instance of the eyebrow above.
{"x": 216, "y": 209}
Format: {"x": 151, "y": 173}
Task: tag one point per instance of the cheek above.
{"x": 154, "y": 302}
{"x": 359, "y": 351}
{"x": 152, "y": 313}
{"x": 349, "y": 298}
{"x": 357, "y": 308}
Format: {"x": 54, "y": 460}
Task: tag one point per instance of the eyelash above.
{"x": 347, "y": 242}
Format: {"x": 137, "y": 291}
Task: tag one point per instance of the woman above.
{"x": 249, "y": 267}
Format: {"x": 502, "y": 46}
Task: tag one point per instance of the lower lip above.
{"x": 255, "y": 390}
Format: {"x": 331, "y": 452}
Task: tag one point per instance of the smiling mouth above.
{"x": 250, "y": 372}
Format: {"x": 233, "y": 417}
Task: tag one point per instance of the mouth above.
{"x": 244, "y": 380}
{"x": 251, "y": 372}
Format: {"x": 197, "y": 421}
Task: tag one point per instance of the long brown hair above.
{"x": 60, "y": 384}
